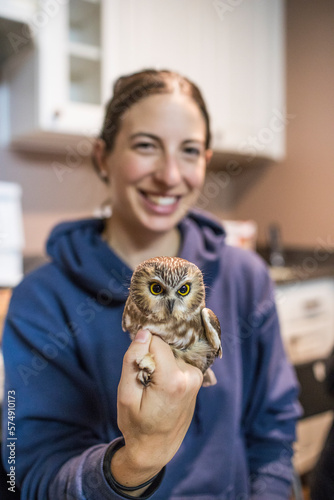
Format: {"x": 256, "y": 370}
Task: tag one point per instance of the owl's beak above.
{"x": 170, "y": 305}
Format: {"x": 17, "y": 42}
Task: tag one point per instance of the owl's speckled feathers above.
{"x": 167, "y": 297}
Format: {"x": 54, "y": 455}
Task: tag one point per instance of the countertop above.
{"x": 301, "y": 264}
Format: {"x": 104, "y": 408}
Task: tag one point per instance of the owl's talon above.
{"x": 144, "y": 378}
{"x": 147, "y": 367}
{"x": 147, "y": 363}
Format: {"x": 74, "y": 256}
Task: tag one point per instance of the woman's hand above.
{"x": 153, "y": 419}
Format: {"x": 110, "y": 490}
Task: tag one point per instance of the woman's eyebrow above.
{"x": 146, "y": 134}
{"x": 194, "y": 142}
{"x": 201, "y": 141}
{"x": 157, "y": 138}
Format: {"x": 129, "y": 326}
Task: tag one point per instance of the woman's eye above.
{"x": 192, "y": 151}
{"x": 144, "y": 146}
{"x": 184, "y": 290}
{"x": 156, "y": 289}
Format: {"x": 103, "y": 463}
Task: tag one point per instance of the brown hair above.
{"x": 130, "y": 89}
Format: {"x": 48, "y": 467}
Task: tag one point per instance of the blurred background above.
{"x": 266, "y": 69}
{"x": 279, "y": 60}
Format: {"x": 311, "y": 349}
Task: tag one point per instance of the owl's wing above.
{"x": 130, "y": 318}
{"x": 212, "y": 330}
{"x": 125, "y": 317}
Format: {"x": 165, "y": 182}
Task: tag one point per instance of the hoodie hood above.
{"x": 79, "y": 250}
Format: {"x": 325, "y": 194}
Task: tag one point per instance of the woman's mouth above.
{"x": 161, "y": 200}
{"x": 158, "y": 203}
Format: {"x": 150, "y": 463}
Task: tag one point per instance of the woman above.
{"x": 86, "y": 428}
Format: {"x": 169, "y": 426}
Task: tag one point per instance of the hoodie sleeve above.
{"x": 270, "y": 403}
{"x": 61, "y": 442}
{"x": 82, "y": 477}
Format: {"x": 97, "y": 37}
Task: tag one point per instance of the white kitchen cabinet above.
{"x": 233, "y": 50}
{"x": 55, "y": 88}
{"x": 235, "y": 54}
{"x": 306, "y": 314}
{"x": 18, "y": 10}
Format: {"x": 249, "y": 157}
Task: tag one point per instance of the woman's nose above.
{"x": 168, "y": 171}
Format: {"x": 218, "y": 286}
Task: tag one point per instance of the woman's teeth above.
{"x": 162, "y": 200}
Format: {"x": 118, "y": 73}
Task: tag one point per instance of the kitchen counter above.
{"x": 301, "y": 264}
{"x": 292, "y": 274}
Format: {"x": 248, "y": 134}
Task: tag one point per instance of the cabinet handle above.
{"x": 312, "y": 306}
{"x": 57, "y": 114}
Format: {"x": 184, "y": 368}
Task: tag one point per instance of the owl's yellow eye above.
{"x": 184, "y": 290}
{"x": 156, "y": 289}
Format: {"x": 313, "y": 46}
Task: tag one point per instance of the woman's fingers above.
{"x": 168, "y": 369}
{"x": 130, "y": 389}
{"x": 174, "y": 375}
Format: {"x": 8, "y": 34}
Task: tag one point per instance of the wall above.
{"x": 51, "y": 193}
{"x": 298, "y": 192}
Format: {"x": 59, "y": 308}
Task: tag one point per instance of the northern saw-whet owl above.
{"x": 167, "y": 297}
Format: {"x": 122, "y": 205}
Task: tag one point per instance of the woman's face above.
{"x": 158, "y": 162}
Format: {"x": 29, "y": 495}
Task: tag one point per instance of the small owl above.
{"x": 167, "y": 297}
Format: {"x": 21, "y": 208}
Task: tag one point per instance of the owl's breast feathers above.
{"x": 173, "y": 329}
{"x": 196, "y": 341}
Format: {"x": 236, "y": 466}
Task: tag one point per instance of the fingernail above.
{"x": 142, "y": 336}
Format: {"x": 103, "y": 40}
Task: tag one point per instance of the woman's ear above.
{"x": 208, "y": 156}
{"x": 99, "y": 159}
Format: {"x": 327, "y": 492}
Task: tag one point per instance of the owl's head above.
{"x": 167, "y": 286}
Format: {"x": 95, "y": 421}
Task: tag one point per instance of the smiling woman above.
{"x": 86, "y": 427}
{"x": 154, "y": 162}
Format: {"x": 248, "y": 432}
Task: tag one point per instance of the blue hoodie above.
{"x": 63, "y": 347}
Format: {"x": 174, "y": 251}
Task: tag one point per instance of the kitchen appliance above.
{"x": 241, "y": 233}
{"x": 276, "y": 257}
{"x": 11, "y": 234}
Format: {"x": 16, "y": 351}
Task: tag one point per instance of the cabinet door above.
{"x": 255, "y": 72}
{"x": 234, "y": 54}
{"x": 173, "y": 34}
{"x": 17, "y": 10}
{"x": 74, "y": 71}
{"x": 56, "y": 86}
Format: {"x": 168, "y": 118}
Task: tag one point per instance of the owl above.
{"x": 167, "y": 297}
